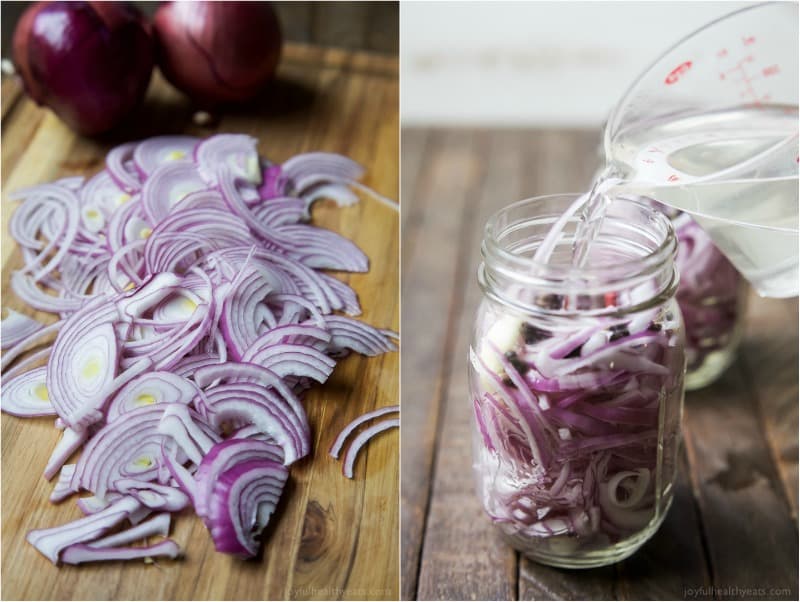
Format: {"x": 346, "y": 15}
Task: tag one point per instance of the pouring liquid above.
{"x": 734, "y": 171}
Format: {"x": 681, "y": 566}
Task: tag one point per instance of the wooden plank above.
{"x": 343, "y": 24}
{"x": 463, "y": 557}
{"x": 413, "y": 143}
{"x": 451, "y": 169}
{"x": 332, "y": 537}
{"x": 751, "y": 537}
{"x": 10, "y": 93}
{"x": 295, "y": 20}
{"x": 383, "y": 31}
{"x": 769, "y": 358}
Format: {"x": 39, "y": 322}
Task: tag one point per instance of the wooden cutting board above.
{"x": 331, "y": 537}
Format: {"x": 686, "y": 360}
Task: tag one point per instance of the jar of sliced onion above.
{"x": 712, "y": 296}
{"x": 576, "y": 379}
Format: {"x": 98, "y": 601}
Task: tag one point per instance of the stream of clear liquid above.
{"x": 734, "y": 171}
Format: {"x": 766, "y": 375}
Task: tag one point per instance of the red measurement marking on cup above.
{"x": 674, "y": 75}
{"x": 722, "y": 53}
{"x": 746, "y": 91}
{"x": 771, "y": 70}
{"x": 673, "y": 178}
{"x": 748, "y": 40}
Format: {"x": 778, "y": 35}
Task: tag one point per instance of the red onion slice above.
{"x": 152, "y": 495}
{"x": 161, "y": 150}
{"x": 253, "y": 403}
{"x": 51, "y": 542}
{"x": 71, "y": 440}
{"x": 166, "y": 186}
{"x": 120, "y": 166}
{"x": 148, "y": 389}
{"x": 237, "y": 152}
{"x": 157, "y": 525}
{"x": 242, "y": 500}
{"x": 26, "y": 395}
{"x": 303, "y": 171}
{"x": 17, "y": 327}
{"x": 347, "y": 333}
{"x": 80, "y": 553}
{"x": 336, "y": 448}
{"x": 62, "y": 489}
{"x": 361, "y": 440}
{"x": 223, "y": 456}
{"x": 126, "y": 448}
{"x": 184, "y": 427}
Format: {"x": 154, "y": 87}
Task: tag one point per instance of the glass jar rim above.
{"x": 624, "y": 272}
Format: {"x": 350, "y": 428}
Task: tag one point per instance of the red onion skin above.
{"x": 90, "y": 62}
{"x": 218, "y": 51}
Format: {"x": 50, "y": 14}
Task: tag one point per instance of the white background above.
{"x": 559, "y": 63}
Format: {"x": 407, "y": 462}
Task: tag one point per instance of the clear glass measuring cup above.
{"x": 711, "y": 128}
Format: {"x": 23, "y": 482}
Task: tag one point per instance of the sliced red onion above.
{"x": 26, "y": 395}
{"x": 280, "y": 212}
{"x": 166, "y": 186}
{"x": 175, "y": 260}
{"x": 51, "y": 542}
{"x": 242, "y": 500}
{"x": 17, "y": 327}
{"x": 237, "y": 152}
{"x": 292, "y": 360}
{"x": 120, "y": 166}
{"x": 60, "y": 201}
{"x": 71, "y": 440}
{"x": 361, "y": 440}
{"x": 347, "y": 333}
{"x": 62, "y": 489}
{"x": 225, "y": 455}
{"x": 303, "y": 171}
{"x": 80, "y": 553}
{"x": 157, "y": 525}
{"x": 15, "y": 351}
{"x": 83, "y": 363}
{"x": 255, "y": 404}
{"x": 252, "y": 373}
{"x": 93, "y": 504}
{"x": 184, "y": 427}
{"x": 148, "y": 389}
{"x": 152, "y": 495}
{"x": 178, "y": 472}
{"x": 104, "y": 194}
{"x": 336, "y": 448}
{"x": 126, "y": 448}
{"x": 153, "y": 152}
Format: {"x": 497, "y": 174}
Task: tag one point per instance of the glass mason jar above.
{"x": 576, "y": 379}
{"x": 712, "y": 296}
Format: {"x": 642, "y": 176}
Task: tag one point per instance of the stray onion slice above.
{"x": 336, "y": 448}
{"x": 361, "y": 440}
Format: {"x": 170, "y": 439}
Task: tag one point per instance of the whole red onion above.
{"x": 218, "y": 51}
{"x": 90, "y": 62}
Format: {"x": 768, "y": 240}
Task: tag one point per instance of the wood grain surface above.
{"x": 732, "y": 531}
{"x": 332, "y": 538}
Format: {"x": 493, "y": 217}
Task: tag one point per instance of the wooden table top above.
{"x": 332, "y": 538}
{"x": 733, "y": 523}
